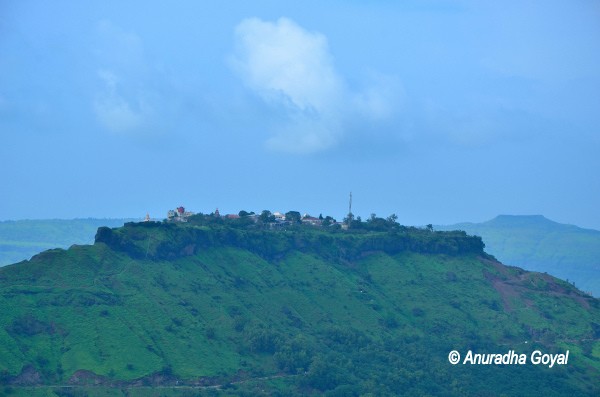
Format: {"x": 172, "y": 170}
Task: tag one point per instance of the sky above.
{"x": 437, "y": 111}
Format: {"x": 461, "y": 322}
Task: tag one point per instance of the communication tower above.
{"x": 350, "y": 216}
{"x": 350, "y": 205}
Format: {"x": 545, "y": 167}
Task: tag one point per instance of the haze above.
{"x": 438, "y": 111}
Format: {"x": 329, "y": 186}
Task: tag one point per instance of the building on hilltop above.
{"x": 179, "y": 214}
{"x": 311, "y": 220}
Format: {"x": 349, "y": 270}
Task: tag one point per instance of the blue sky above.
{"x": 438, "y": 111}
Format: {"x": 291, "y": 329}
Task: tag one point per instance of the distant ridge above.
{"x": 537, "y": 243}
{"x": 512, "y": 220}
{"x": 21, "y": 239}
{"x": 532, "y": 221}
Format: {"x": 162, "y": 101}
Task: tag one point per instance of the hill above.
{"x": 539, "y": 244}
{"x": 240, "y": 308}
{"x": 20, "y": 240}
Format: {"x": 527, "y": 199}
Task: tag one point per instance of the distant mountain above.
{"x": 233, "y": 307}
{"x": 20, "y": 240}
{"x": 536, "y": 243}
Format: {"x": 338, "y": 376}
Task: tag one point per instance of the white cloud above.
{"x": 283, "y": 59}
{"x": 123, "y": 102}
{"x": 287, "y": 65}
{"x": 113, "y": 110}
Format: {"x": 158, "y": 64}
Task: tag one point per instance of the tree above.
{"x": 293, "y": 217}
{"x": 266, "y": 217}
{"x": 328, "y": 221}
{"x": 349, "y": 218}
{"x": 375, "y": 223}
{"x": 356, "y": 223}
{"x": 430, "y": 227}
{"x": 392, "y": 218}
{"x": 322, "y": 374}
{"x": 243, "y": 213}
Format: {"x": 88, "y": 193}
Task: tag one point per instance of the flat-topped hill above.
{"x": 218, "y": 307}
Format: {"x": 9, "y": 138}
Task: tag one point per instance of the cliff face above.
{"x": 156, "y": 240}
{"x": 302, "y": 310}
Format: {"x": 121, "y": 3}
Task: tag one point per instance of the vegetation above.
{"x": 155, "y": 240}
{"x": 539, "y": 244}
{"x": 221, "y": 306}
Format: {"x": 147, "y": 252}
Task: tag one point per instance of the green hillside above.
{"x": 20, "y": 240}
{"x": 539, "y": 244}
{"x": 217, "y": 307}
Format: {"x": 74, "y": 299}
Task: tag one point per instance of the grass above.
{"x": 539, "y": 244}
{"x": 225, "y": 313}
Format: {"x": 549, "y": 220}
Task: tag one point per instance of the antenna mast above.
{"x": 350, "y": 205}
{"x": 350, "y": 217}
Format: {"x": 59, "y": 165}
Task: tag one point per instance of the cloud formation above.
{"x": 291, "y": 67}
{"x": 122, "y": 102}
{"x": 113, "y": 110}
